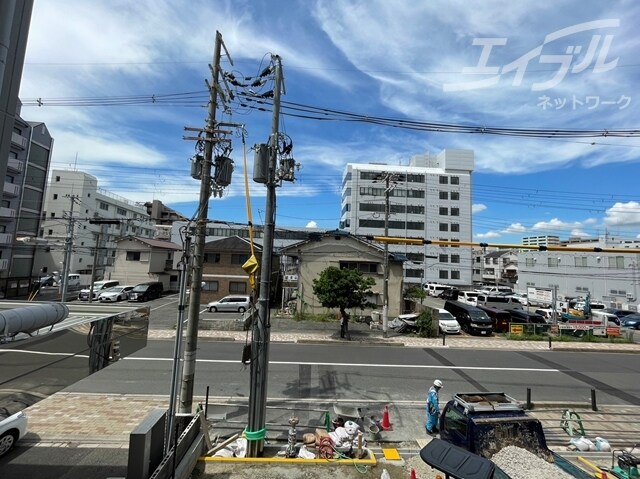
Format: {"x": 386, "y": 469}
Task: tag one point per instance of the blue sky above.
{"x": 570, "y": 66}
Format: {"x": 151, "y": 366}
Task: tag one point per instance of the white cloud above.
{"x": 556, "y": 224}
{"x": 623, "y": 214}
{"x": 488, "y": 235}
{"x": 477, "y": 208}
{"x": 311, "y": 224}
{"x": 515, "y": 228}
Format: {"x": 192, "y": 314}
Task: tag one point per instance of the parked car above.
{"x": 471, "y": 319}
{"x": 115, "y": 294}
{"x": 620, "y": 313}
{"x": 522, "y": 316}
{"x": 631, "y": 321}
{"x": 469, "y": 297}
{"x": 146, "y": 291}
{"x": 547, "y": 314}
{"x": 499, "y": 317}
{"x": 234, "y": 302}
{"x": 98, "y": 287}
{"x": 519, "y": 297}
{"x": 13, "y": 427}
{"x": 449, "y": 293}
{"x": 447, "y": 322}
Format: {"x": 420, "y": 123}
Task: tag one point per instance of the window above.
{"x": 455, "y": 211}
{"x": 133, "y": 255}
{"x": 529, "y": 262}
{"x": 55, "y": 196}
{"x": 444, "y": 227}
{"x": 443, "y": 258}
{"x": 455, "y": 180}
{"x": 616, "y": 262}
{"x": 618, "y": 292}
{"x": 553, "y": 262}
{"x": 582, "y": 289}
{"x": 49, "y": 232}
{"x": 210, "y": 286}
{"x": 444, "y": 274}
{"x": 444, "y": 195}
{"x": 581, "y": 261}
{"x": 103, "y": 206}
{"x": 419, "y": 257}
{"x": 455, "y": 227}
{"x": 455, "y": 196}
{"x": 414, "y": 273}
{"x": 239, "y": 259}
{"x": 444, "y": 211}
{"x": 57, "y": 178}
{"x": 418, "y": 210}
{"x": 371, "y": 268}
{"x": 237, "y": 287}
{"x": 53, "y": 215}
{"x": 121, "y": 211}
{"x": 444, "y": 180}
{"x": 455, "y": 258}
{"x": 455, "y": 274}
{"x": 212, "y": 258}
{"x": 455, "y": 421}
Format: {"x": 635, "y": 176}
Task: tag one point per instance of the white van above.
{"x": 469, "y": 297}
{"x": 73, "y": 281}
{"x": 434, "y": 289}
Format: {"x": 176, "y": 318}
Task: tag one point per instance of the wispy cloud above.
{"x": 477, "y": 208}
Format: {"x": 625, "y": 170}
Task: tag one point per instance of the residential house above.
{"x": 139, "y": 260}
{"x": 343, "y": 250}
{"x": 222, "y": 272}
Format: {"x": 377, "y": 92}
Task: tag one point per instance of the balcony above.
{"x": 7, "y": 214}
{"x": 19, "y": 140}
{"x": 4, "y": 264}
{"x": 5, "y": 238}
{"x": 11, "y": 190}
{"x": 15, "y": 166}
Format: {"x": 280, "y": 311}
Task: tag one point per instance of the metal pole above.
{"x": 64, "y": 280}
{"x": 93, "y": 267}
{"x": 177, "y": 349}
{"x": 594, "y": 406}
{"x": 529, "y": 405}
{"x": 186, "y": 393}
{"x": 262, "y": 326}
{"x": 385, "y": 286}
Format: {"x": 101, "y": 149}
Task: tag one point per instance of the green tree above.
{"x": 342, "y": 289}
{"x": 415, "y": 294}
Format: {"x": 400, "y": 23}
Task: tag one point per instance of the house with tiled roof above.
{"x": 139, "y": 260}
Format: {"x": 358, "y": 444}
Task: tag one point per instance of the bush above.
{"x": 425, "y": 325}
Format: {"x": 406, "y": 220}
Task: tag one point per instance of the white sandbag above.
{"x": 305, "y": 453}
{"x": 602, "y": 445}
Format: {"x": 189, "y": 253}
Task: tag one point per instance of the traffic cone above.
{"x": 413, "y": 474}
{"x": 385, "y": 424}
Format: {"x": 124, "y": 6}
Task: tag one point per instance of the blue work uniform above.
{"x": 433, "y": 410}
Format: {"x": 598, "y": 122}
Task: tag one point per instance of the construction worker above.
{"x": 433, "y": 407}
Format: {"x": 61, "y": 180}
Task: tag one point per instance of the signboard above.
{"x": 613, "y": 331}
{"x": 290, "y": 278}
{"x": 554, "y": 329}
{"x": 539, "y": 296}
{"x": 516, "y": 329}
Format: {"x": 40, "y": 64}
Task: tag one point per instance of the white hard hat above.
{"x": 437, "y": 383}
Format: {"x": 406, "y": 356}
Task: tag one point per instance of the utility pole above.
{"x": 93, "y": 266}
{"x": 385, "y": 286}
{"x": 262, "y": 326}
{"x": 66, "y": 262}
{"x": 188, "y": 375}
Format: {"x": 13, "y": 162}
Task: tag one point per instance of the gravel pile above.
{"x": 519, "y": 463}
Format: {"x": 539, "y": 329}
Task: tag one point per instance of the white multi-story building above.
{"x": 94, "y": 245}
{"x": 611, "y": 277}
{"x": 541, "y": 240}
{"x": 429, "y": 199}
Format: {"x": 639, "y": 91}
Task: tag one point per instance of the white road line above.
{"x": 363, "y": 365}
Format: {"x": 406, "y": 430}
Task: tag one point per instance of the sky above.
{"x": 117, "y": 82}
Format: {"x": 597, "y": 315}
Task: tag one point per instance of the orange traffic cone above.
{"x": 413, "y": 474}
{"x": 385, "y": 424}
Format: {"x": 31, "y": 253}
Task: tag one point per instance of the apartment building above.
{"x": 545, "y": 240}
{"x": 23, "y": 193}
{"x": 74, "y": 200}
{"x": 611, "y": 277}
{"x": 428, "y": 199}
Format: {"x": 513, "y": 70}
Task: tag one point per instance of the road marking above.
{"x": 363, "y": 365}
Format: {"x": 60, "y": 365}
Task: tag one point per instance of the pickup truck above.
{"x": 483, "y": 423}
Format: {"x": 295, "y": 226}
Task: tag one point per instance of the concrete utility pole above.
{"x": 385, "y": 286}
{"x": 262, "y": 326}
{"x": 66, "y": 262}
{"x": 186, "y": 392}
